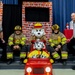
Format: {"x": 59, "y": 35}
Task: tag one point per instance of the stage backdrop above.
{"x": 61, "y": 10}
{"x": 10, "y": 1}
{"x": 11, "y": 17}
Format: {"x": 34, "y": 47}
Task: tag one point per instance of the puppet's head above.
{"x": 38, "y": 31}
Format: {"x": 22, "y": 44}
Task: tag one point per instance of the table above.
{"x": 68, "y": 33}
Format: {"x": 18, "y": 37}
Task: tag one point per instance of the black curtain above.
{"x": 12, "y": 16}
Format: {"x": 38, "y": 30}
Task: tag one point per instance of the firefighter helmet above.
{"x": 55, "y": 27}
{"x": 17, "y": 28}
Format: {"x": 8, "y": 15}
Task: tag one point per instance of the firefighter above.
{"x": 16, "y": 45}
{"x": 58, "y": 42}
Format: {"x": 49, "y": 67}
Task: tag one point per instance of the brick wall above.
{"x": 27, "y": 26}
{"x": 1, "y": 12}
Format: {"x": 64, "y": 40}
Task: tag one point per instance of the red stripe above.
{"x": 37, "y": 26}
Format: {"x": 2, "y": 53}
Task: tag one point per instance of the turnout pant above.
{"x": 11, "y": 53}
{"x": 60, "y": 54}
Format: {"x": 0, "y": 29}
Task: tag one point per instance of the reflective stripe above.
{"x": 22, "y": 55}
{"x": 50, "y": 40}
{"x": 10, "y": 43}
{"x": 56, "y": 55}
{"x": 64, "y": 39}
{"x": 10, "y": 38}
{"x": 23, "y": 38}
{"x": 52, "y": 44}
{"x": 23, "y": 42}
{"x": 17, "y": 42}
{"x": 55, "y": 42}
{"x": 64, "y": 55}
{"x": 63, "y": 42}
{"x": 9, "y": 55}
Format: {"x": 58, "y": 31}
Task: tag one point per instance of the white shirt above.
{"x": 71, "y": 24}
{"x": 74, "y": 30}
{"x": 0, "y": 29}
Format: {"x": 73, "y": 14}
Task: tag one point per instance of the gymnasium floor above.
{"x": 21, "y": 72}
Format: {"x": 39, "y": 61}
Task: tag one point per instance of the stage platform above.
{"x": 16, "y": 65}
{"x": 56, "y": 65}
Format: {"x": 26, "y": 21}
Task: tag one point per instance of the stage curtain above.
{"x": 12, "y": 16}
{"x": 10, "y": 1}
{"x": 62, "y": 10}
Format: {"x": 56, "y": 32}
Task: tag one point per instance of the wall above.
{"x": 27, "y": 26}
